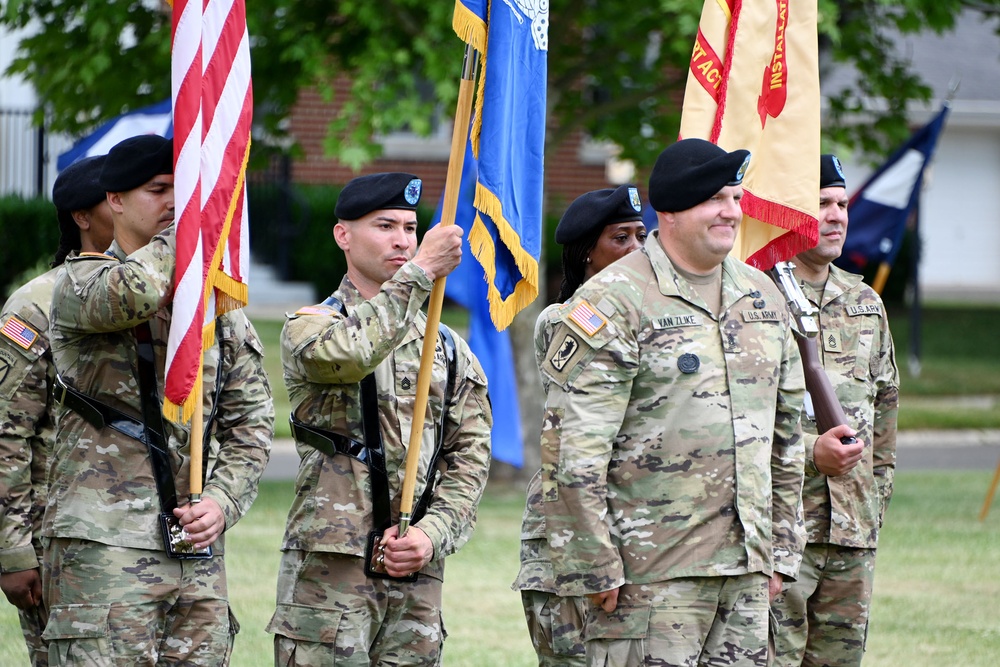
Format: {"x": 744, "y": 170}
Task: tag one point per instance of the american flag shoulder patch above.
{"x": 19, "y": 332}
{"x": 587, "y": 318}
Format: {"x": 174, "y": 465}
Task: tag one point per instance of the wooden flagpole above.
{"x": 195, "y": 440}
{"x": 456, "y": 160}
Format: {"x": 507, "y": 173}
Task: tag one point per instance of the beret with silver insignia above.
{"x": 376, "y": 192}
{"x": 831, "y": 172}
{"x": 690, "y": 171}
{"x": 596, "y": 210}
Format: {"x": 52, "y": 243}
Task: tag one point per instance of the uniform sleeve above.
{"x": 584, "y": 409}
{"x": 112, "y": 296}
{"x": 331, "y": 349}
{"x": 245, "y": 427}
{"x": 886, "y": 411}
{"x": 788, "y": 535}
{"x": 23, "y": 409}
{"x": 465, "y": 463}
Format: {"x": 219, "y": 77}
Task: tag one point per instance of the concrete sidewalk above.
{"x": 915, "y": 450}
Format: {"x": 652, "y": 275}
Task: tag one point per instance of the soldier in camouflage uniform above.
{"x": 823, "y": 615}
{"x": 598, "y": 228}
{"x": 114, "y": 595}
{"x": 672, "y": 458}
{"x": 329, "y": 611}
{"x": 27, "y": 426}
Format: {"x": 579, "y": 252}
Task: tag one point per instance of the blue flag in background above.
{"x": 880, "y": 208}
{"x": 466, "y": 286}
{"x": 154, "y": 119}
{"x": 508, "y": 138}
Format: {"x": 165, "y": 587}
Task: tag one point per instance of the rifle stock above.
{"x": 826, "y": 406}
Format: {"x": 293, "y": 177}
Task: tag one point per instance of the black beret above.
{"x": 692, "y": 170}
{"x": 596, "y": 210}
{"x": 375, "y": 192}
{"x": 77, "y": 187}
{"x": 831, "y": 173}
{"x": 135, "y": 160}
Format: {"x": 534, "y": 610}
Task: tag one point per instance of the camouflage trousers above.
{"x": 330, "y": 613}
{"x": 701, "y": 621}
{"x": 120, "y": 607}
{"x": 555, "y": 624}
{"x": 822, "y": 616}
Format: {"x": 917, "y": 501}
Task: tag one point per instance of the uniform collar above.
{"x": 735, "y": 277}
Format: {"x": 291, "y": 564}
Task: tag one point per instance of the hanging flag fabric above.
{"x": 508, "y": 139}
{"x": 212, "y": 106}
{"x": 465, "y": 286}
{"x": 879, "y": 209}
{"x": 753, "y": 83}
{"x": 154, "y": 119}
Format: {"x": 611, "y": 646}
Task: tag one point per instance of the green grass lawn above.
{"x": 935, "y": 604}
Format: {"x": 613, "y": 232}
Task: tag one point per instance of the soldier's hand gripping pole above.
{"x": 829, "y": 412}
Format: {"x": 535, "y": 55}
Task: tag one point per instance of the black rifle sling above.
{"x": 152, "y": 417}
{"x": 381, "y": 501}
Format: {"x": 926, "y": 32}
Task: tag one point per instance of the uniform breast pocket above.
{"x": 406, "y": 377}
{"x": 863, "y": 356}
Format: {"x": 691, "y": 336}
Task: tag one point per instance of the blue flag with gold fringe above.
{"x": 508, "y": 139}
{"x": 466, "y": 286}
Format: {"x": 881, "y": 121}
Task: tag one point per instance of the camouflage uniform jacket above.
{"x": 27, "y": 428}
{"x": 652, "y": 473}
{"x": 856, "y": 350}
{"x": 101, "y": 482}
{"x": 325, "y": 356}
{"x": 536, "y": 565}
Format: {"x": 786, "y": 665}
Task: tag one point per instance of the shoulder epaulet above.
{"x": 319, "y": 309}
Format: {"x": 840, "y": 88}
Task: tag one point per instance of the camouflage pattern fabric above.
{"x": 101, "y": 482}
{"x": 856, "y": 349}
{"x": 122, "y": 606}
{"x": 555, "y": 623}
{"x": 329, "y": 613}
{"x": 671, "y": 444}
{"x": 822, "y": 617}
{"x": 102, "y": 486}
{"x": 27, "y": 429}
{"x": 325, "y": 356}
{"x": 717, "y": 621}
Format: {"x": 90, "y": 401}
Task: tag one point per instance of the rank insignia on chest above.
{"x": 831, "y": 341}
{"x": 19, "y": 332}
{"x": 587, "y": 318}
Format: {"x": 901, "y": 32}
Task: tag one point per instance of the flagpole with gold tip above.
{"x": 460, "y": 135}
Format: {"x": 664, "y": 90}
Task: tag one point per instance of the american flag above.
{"x": 213, "y": 104}
{"x": 19, "y": 332}
{"x": 588, "y": 319}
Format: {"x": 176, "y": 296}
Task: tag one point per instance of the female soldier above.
{"x": 598, "y": 228}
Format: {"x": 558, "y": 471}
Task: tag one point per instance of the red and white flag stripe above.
{"x": 212, "y": 106}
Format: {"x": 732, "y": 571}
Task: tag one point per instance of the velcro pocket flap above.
{"x": 77, "y": 621}
{"x": 303, "y": 623}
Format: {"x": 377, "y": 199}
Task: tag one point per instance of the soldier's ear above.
{"x": 341, "y": 234}
{"x": 115, "y": 202}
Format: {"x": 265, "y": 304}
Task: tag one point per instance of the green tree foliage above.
{"x": 616, "y": 69}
